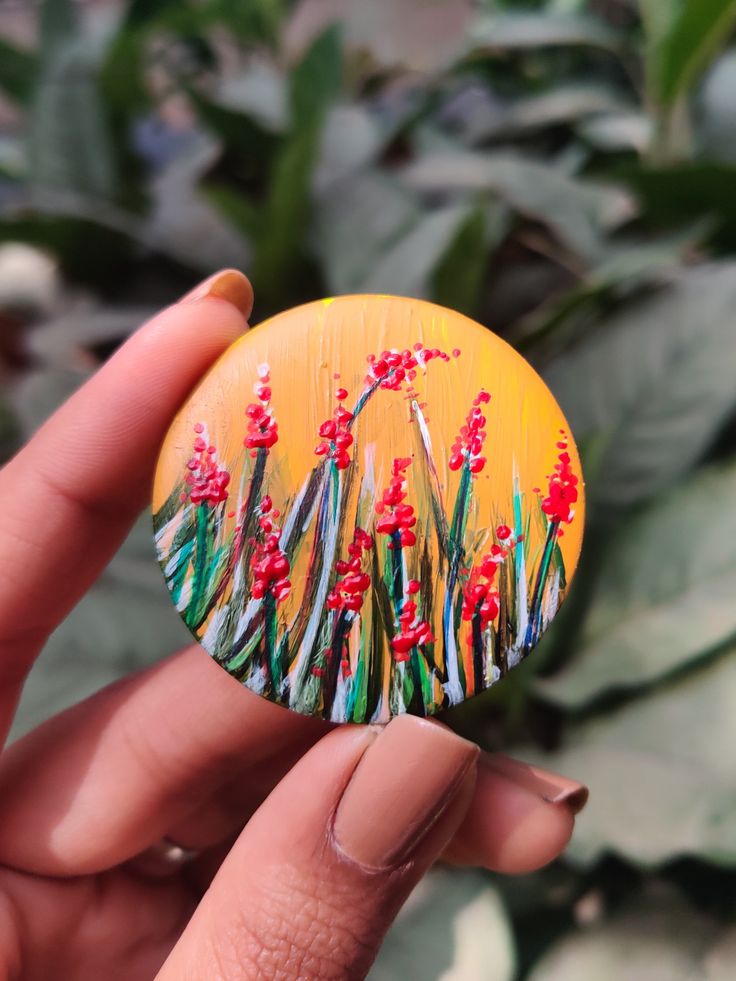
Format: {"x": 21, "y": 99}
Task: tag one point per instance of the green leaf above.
{"x": 407, "y": 267}
{"x": 626, "y": 268}
{"x": 693, "y": 38}
{"x": 70, "y": 145}
{"x": 554, "y": 107}
{"x": 18, "y": 71}
{"x": 355, "y": 221}
{"x": 496, "y": 33}
{"x": 458, "y": 277}
{"x": 688, "y": 192}
{"x": 577, "y": 212}
{"x": 315, "y": 84}
{"x": 351, "y": 140}
{"x": 615, "y": 132}
{"x": 188, "y": 227}
{"x": 59, "y": 23}
{"x": 655, "y": 936}
{"x": 654, "y": 383}
{"x": 664, "y": 596}
{"x": 453, "y": 926}
{"x": 240, "y": 133}
{"x": 317, "y": 79}
{"x": 660, "y": 772}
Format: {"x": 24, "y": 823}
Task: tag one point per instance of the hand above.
{"x": 309, "y": 838}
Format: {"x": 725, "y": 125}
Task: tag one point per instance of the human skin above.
{"x": 310, "y": 837}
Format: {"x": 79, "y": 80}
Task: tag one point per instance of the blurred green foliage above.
{"x": 563, "y": 171}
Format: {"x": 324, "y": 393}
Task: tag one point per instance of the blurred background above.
{"x": 565, "y": 172}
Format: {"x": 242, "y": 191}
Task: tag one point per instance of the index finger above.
{"x": 70, "y": 496}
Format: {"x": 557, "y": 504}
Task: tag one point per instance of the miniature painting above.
{"x": 370, "y": 505}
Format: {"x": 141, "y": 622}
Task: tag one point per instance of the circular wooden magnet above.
{"x": 370, "y": 505}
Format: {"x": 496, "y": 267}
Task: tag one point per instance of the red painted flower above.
{"x": 412, "y": 632}
{"x": 397, "y": 518}
{"x": 480, "y": 596}
{"x": 468, "y": 446}
{"x": 336, "y": 436}
{"x": 349, "y": 591}
{"x": 562, "y": 492}
{"x": 391, "y": 369}
{"x": 207, "y": 482}
{"x": 263, "y": 431}
{"x": 269, "y": 563}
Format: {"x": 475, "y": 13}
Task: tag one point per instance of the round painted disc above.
{"x": 370, "y": 505}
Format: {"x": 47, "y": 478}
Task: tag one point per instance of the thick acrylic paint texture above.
{"x": 370, "y": 505}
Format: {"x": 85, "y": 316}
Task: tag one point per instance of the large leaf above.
{"x": 665, "y": 594}
{"x": 654, "y": 383}
{"x": 458, "y": 279}
{"x": 355, "y": 221}
{"x": 693, "y": 37}
{"x": 527, "y": 31}
{"x": 660, "y": 772}
{"x": 70, "y": 145}
{"x": 315, "y": 84}
{"x": 406, "y": 267}
{"x": 18, "y": 71}
{"x": 554, "y": 107}
{"x": 655, "y": 937}
{"x": 576, "y": 211}
{"x": 688, "y": 192}
{"x": 625, "y": 269}
{"x": 351, "y": 139}
{"x": 716, "y": 111}
{"x": 184, "y": 224}
{"x": 453, "y": 928}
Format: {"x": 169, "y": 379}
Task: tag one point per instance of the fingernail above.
{"x": 230, "y": 285}
{"x": 405, "y": 781}
{"x": 551, "y": 787}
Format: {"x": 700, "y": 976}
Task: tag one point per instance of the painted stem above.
{"x": 535, "y": 611}
{"x": 329, "y": 686}
{"x": 397, "y": 572}
{"x": 269, "y": 641}
{"x": 242, "y": 536}
{"x": 325, "y": 543}
{"x": 435, "y": 492}
{"x": 457, "y": 534}
{"x": 200, "y": 565}
{"x": 478, "y": 651}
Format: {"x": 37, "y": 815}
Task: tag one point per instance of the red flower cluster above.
{"x": 336, "y": 437}
{"x": 349, "y": 591}
{"x": 263, "y": 431}
{"x": 269, "y": 563}
{"x": 479, "y": 595}
{"x": 207, "y": 482}
{"x": 563, "y": 490}
{"x": 396, "y": 518}
{"x": 469, "y": 443}
{"x": 412, "y": 632}
{"x": 392, "y": 368}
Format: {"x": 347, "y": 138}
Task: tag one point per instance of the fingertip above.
{"x": 229, "y": 285}
{"x": 509, "y": 828}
